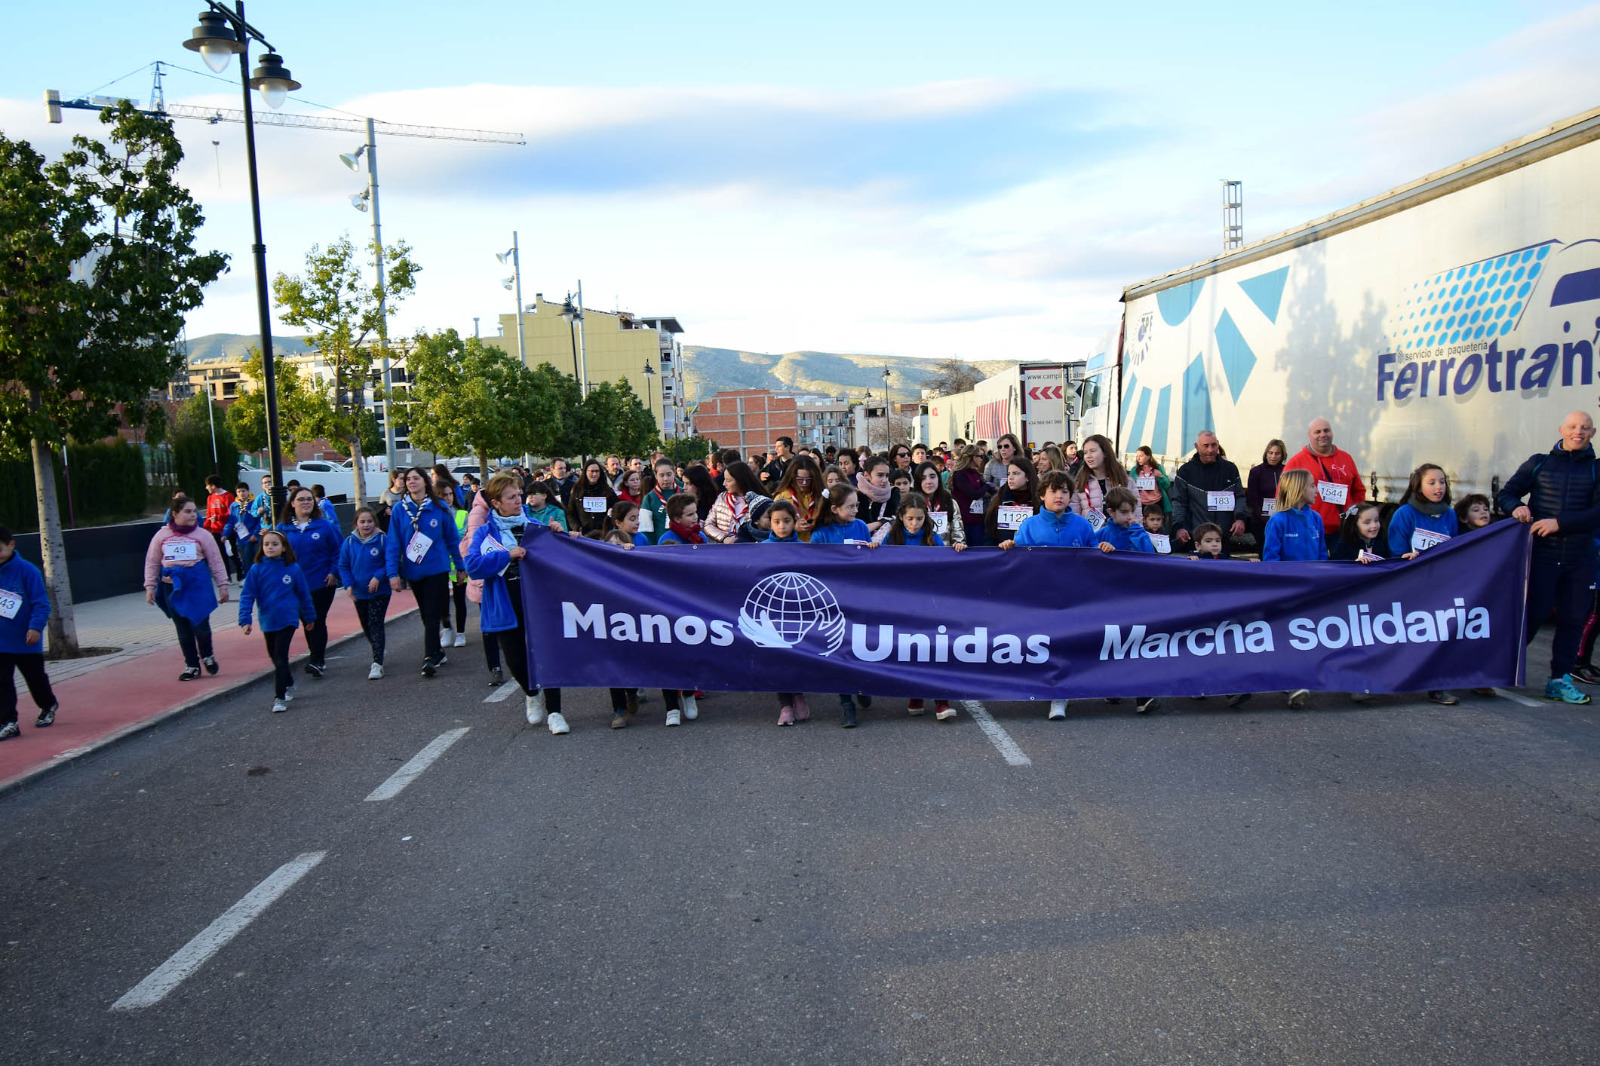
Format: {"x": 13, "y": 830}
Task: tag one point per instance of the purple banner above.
{"x": 1039, "y": 623}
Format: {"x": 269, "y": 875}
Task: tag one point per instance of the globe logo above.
{"x": 785, "y": 610}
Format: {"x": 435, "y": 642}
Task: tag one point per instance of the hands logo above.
{"x": 785, "y": 609}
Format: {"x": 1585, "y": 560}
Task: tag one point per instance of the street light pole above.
{"x": 583, "y": 351}
{"x": 220, "y": 35}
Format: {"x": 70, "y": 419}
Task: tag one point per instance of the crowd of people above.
{"x": 450, "y": 542}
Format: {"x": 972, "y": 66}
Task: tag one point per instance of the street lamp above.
{"x": 221, "y": 35}
{"x": 649, "y": 384}
{"x": 569, "y": 315}
{"x": 513, "y": 255}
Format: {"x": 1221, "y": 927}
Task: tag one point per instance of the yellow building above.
{"x": 612, "y": 346}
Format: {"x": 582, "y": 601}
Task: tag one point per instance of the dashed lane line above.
{"x": 997, "y": 734}
{"x": 502, "y": 693}
{"x": 419, "y": 762}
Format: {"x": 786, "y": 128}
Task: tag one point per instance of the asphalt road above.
{"x": 1392, "y": 883}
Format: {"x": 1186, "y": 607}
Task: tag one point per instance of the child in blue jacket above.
{"x": 364, "y": 573}
{"x": 1121, "y": 532}
{"x": 837, "y": 522}
{"x": 1054, "y": 527}
{"x": 24, "y": 611}
{"x": 315, "y": 542}
{"x": 912, "y": 528}
{"x": 1294, "y": 532}
{"x": 422, "y": 549}
{"x": 276, "y": 588}
{"x": 1424, "y": 517}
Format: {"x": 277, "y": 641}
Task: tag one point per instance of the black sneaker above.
{"x": 847, "y": 719}
{"x": 441, "y": 660}
{"x": 47, "y": 717}
{"x": 1586, "y": 674}
{"x": 497, "y": 676}
{"x": 1238, "y": 700}
{"x": 865, "y": 701}
{"x": 316, "y": 669}
{"x": 189, "y": 674}
{"x": 9, "y": 730}
{"x": 428, "y": 669}
{"x": 210, "y": 663}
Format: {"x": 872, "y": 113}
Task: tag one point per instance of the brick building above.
{"x": 747, "y": 419}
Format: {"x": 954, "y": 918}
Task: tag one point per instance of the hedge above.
{"x": 108, "y": 481}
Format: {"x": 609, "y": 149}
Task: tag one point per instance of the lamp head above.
{"x": 352, "y": 159}
{"x": 215, "y": 40}
{"x": 359, "y": 201}
{"x": 649, "y": 371}
{"x": 569, "y": 312}
{"x": 508, "y": 282}
{"x": 272, "y": 78}
{"x": 505, "y": 256}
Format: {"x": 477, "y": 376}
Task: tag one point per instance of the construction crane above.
{"x": 369, "y": 127}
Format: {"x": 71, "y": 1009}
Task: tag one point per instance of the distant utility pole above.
{"x": 1232, "y": 215}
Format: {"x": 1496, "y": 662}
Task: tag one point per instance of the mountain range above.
{"x": 709, "y": 370}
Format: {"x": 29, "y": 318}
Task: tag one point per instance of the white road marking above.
{"x": 214, "y": 937}
{"x": 502, "y": 693}
{"x": 997, "y": 735}
{"x": 1517, "y": 697}
{"x": 419, "y": 762}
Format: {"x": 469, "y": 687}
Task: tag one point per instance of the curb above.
{"x": 72, "y": 756}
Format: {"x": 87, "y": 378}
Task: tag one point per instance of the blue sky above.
{"x": 912, "y": 179}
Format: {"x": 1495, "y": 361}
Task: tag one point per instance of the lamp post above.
{"x": 569, "y": 315}
{"x": 583, "y": 351}
{"x": 360, "y": 202}
{"x": 513, "y": 255}
{"x": 649, "y": 385}
{"x": 221, "y": 35}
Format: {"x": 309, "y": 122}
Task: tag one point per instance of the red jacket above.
{"x": 1338, "y": 468}
{"x": 217, "y": 505}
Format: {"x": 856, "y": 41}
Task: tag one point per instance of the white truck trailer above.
{"x": 1032, "y": 400}
{"x": 1452, "y": 320}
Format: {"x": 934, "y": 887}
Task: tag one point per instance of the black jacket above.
{"x": 1565, "y": 486}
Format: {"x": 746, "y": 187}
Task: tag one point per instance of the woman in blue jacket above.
{"x": 1424, "y": 517}
{"x": 315, "y": 542}
{"x": 277, "y": 590}
{"x": 422, "y": 548}
{"x": 24, "y": 610}
{"x": 493, "y": 559}
{"x": 1294, "y": 532}
{"x": 364, "y": 573}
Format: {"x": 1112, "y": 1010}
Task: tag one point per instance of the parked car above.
{"x": 339, "y": 479}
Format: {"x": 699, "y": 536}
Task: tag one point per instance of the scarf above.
{"x": 511, "y": 527}
{"x": 182, "y": 531}
{"x": 691, "y": 535}
{"x": 738, "y": 505}
{"x": 872, "y": 492}
{"x": 1428, "y": 507}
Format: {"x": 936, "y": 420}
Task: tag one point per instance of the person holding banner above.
{"x": 879, "y": 498}
{"x": 421, "y": 551}
{"x": 942, "y": 511}
{"x": 1358, "y": 535}
{"x": 653, "y": 508}
{"x": 1425, "y": 517}
{"x": 180, "y": 566}
{"x": 836, "y": 519}
{"x": 589, "y": 501}
{"x": 1099, "y": 473}
{"x": 1055, "y": 526}
{"x": 1016, "y": 502}
{"x": 1338, "y": 484}
{"x": 1207, "y": 489}
{"x": 1563, "y": 491}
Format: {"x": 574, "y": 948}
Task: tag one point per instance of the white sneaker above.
{"x": 535, "y": 708}
{"x": 691, "y": 709}
{"x": 279, "y": 706}
{"x": 1058, "y": 709}
{"x": 288, "y": 696}
{"x": 461, "y": 640}
{"x": 674, "y": 717}
{"x": 1297, "y": 698}
{"x": 376, "y": 672}
{"x": 558, "y": 724}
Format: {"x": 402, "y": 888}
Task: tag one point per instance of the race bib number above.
{"x": 1333, "y": 492}
{"x": 941, "y": 522}
{"x": 597, "y": 505}
{"x": 10, "y": 604}
{"x": 492, "y": 545}
{"x": 1012, "y": 517}
{"x": 1162, "y": 542}
{"x": 1268, "y": 506}
{"x": 1219, "y": 501}
{"x": 417, "y": 547}
{"x": 647, "y": 520}
{"x": 1097, "y": 521}
{"x": 1364, "y": 556}
{"x": 857, "y": 543}
{"x": 975, "y": 507}
{"x": 179, "y": 551}
{"x": 1147, "y": 483}
{"x": 1423, "y": 539}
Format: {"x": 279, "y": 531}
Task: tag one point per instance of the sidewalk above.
{"x": 109, "y": 696}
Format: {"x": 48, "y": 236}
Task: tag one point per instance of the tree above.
{"x": 685, "y": 450}
{"x": 469, "y": 397}
{"x": 342, "y": 310}
{"x": 303, "y": 413}
{"x": 615, "y": 421}
{"x": 97, "y": 269}
{"x": 194, "y": 456}
{"x": 951, "y": 376}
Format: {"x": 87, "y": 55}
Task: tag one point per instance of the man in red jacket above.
{"x": 1337, "y": 484}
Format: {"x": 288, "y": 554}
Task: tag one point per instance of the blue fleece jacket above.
{"x": 1132, "y": 539}
{"x": 488, "y": 560}
{"x": 934, "y": 541}
{"x": 316, "y": 549}
{"x": 1294, "y": 536}
{"x": 1050, "y": 530}
{"x": 328, "y": 512}
{"x": 22, "y": 579}
{"x": 246, "y": 524}
{"x": 792, "y": 538}
{"x": 279, "y": 593}
{"x": 1407, "y": 520}
{"x": 432, "y": 520}
{"x": 836, "y": 534}
{"x": 360, "y": 562}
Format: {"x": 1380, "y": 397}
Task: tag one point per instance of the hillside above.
{"x": 718, "y": 369}
{"x": 213, "y": 345}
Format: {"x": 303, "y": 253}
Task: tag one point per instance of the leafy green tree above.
{"x": 687, "y": 450}
{"x": 342, "y": 309}
{"x": 616, "y": 421}
{"x": 202, "y": 445}
{"x": 303, "y": 413}
{"x": 97, "y": 269}
{"x": 469, "y": 397}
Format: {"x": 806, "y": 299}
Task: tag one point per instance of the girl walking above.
{"x": 180, "y": 566}
{"x": 420, "y": 551}
{"x": 24, "y": 612}
{"x": 364, "y": 573}
{"x": 315, "y": 542}
{"x": 276, "y": 589}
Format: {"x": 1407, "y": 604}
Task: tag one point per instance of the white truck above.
{"x": 1452, "y": 320}
{"x": 1032, "y": 400}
